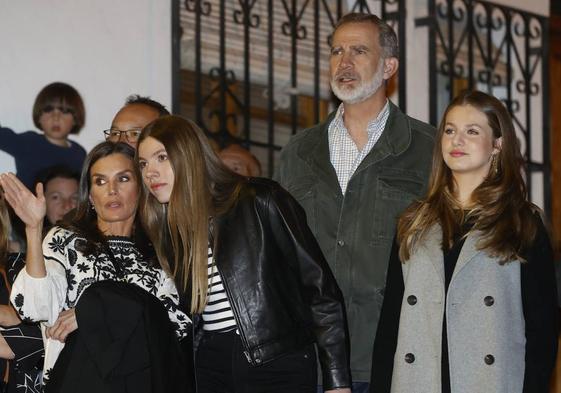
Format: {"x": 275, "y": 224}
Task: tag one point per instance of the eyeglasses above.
{"x": 114, "y": 135}
{"x": 65, "y": 110}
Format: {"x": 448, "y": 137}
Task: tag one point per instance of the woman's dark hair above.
{"x": 59, "y": 93}
{"x": 83, "y": 219}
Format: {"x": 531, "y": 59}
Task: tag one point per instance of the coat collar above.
{"x": 314, "y": 150}
{"x": 431, "y": 249}
{"x": 467, "y": 254}
{"x": 395, "y": 139}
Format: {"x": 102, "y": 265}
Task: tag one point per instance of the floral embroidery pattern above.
{"x": 57, "y": 244}
{"x": 60, "y": 248}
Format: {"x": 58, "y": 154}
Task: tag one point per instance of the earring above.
{"x": 92, "y": 206}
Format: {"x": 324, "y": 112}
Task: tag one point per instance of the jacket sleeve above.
{"x": 42, "y": 299}
{"x": 388, "y": 327}
{"x": 288, "y": 223}
{"x": 9, "y": 141}
{"x": 539, "y": 302}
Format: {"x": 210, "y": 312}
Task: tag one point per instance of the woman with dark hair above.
{"x": 58, "y": 111}
{"x": 470, "y": 301}
{"x": 251, "y": 271}
{"x": 102, "y": 241}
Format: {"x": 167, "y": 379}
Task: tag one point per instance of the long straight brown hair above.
{"x": 500, "y": 208}
{"x": 203, "y": 189}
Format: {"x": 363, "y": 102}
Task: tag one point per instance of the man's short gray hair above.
{"x": 386, "y": 35}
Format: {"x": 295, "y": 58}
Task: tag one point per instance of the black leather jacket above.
{"x": 282, "y": 292}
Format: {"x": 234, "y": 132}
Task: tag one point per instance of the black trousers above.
{"x": 221, "y": 367}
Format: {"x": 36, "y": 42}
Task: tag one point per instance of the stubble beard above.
{"x": 361, "y": 92}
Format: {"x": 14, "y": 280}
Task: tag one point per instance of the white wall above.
{"x": 105, "y": 49}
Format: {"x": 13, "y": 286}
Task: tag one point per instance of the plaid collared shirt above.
{"x": 343, "y": 152}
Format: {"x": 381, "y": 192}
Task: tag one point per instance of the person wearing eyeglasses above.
{"x": 58, "y": 111}
{"x": 129, "y": 121}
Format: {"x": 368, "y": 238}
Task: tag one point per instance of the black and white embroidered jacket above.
{"x": 69, "y": 273}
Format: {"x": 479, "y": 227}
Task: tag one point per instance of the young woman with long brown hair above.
{"x": 252, "y": 273}
{"x": 470, "y": 303}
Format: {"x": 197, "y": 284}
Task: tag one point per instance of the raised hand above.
{"x": 30, "y": 209}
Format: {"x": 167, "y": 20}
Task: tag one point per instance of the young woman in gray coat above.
{"x": 470, "y": 302}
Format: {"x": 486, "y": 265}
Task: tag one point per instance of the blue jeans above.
{"x": 358, "y": 387}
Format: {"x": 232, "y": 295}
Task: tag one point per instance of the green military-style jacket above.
{"x": 355, "y": 231}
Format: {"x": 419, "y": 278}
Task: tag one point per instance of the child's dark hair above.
{"x": 54, "y": 172}
{"x": 59, "y": 93}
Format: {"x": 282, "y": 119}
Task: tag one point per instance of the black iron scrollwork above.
{"x": 361, "y": 6}
{"x": 459, "y": 70}
{"x": 202, "y": 7}
{"x": 226, "y": 78}
{"x": 458, "y": 11}
{"x": 442, "y": 10}
{"x": 497, "y": 22}
{"x": 245, "y": 16}
{"x": 519, "y": 26}
{"x": 292, "y": 25}
{"x": 535, "y": 30}
{"x": 497, "y": 49}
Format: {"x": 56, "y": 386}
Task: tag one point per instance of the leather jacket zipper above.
{"x": 235, "y": 312}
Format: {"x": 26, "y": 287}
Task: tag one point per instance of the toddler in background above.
{"x": 58, "y": 111}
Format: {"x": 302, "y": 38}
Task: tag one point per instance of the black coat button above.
{"x": 489, "y": 359}
{"x": 409, "y": 357}
{"x": 412, "y": 300}
{"x": 489, "y": 301}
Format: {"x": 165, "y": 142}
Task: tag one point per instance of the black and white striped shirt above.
{"x": 217, "y": 315}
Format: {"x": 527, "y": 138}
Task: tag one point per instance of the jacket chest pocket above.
{"x": 393, "y": 195}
